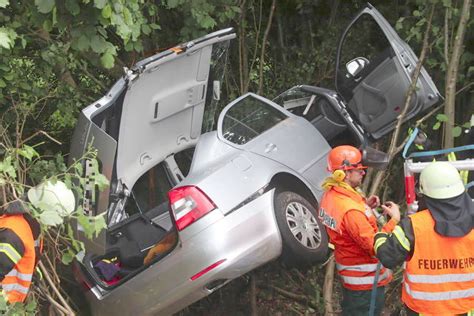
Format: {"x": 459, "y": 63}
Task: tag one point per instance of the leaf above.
{"x": 3, "y": 303}
{"x": 31, "y": 307}
{"x": 99, "y": 223}
{"x": 79, "y": 168}
{"x": 83, "y": 43}
{"x": 127, "y": 17}
{"x": 172, "y": 3}
{"x": 28, "y": 152}
{"x": 73, "y": 7}
{"x": 68, "y": 257}
{"x": 442, "y": 117}
{"x": 2, "y": 83}
{"x": 457, "y": 131}
{"x": 50, "y": 218}
{"x": 101, "y": 181}
{"x": 436, "y": 126}
{"x": 208, "y": 22}
{"x": 107, "y": 60}
{"x": 4, "y": 3}
{"x": 98, "y": 44}
{"x": 146, "y": 29}
{"x": 447, "y": 3}
{"x": 107, "y": 11}
{"x": 100, "y": 4}
{"x": 5, "y": 39}
{"x": 44, "y": 6}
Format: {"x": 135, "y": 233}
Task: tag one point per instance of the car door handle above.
{"x": 270, "y": 147}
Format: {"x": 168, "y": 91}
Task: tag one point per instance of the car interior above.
{"x": 146, "y": 232}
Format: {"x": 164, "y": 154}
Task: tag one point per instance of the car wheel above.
{"x": 304, "y": 237}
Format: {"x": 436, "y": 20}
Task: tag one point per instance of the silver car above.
{"x": 189, "y": 211}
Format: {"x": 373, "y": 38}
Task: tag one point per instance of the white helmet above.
{"x": 441, "y": 180}
{"x": 53, "y": 197}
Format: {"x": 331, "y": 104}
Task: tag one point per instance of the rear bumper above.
{"x": 244, "y": 239}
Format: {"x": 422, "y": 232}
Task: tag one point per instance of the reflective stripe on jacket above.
{"x": 17, "y": 282}
{"x": 439, "y": 277}
{"x": 355, "y": 265}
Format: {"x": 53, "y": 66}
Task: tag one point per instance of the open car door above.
{"x": 374, "y": 68}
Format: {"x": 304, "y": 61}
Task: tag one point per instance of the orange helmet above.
{"x": 345, "y": 158}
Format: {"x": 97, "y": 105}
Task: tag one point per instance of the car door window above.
{"x": 248, "y": 118}
{"x": 367, "y": 41}
{"x": 373, "y": 74}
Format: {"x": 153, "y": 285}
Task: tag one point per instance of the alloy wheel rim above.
{"x": 303, "y": 225}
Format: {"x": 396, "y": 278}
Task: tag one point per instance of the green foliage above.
{"x": 203, "y": 15}
{"x": 44, "y": 6}
{"x": 456, "y": 130}
{"x": 18, "y": 309}
{"x": 7, "y": 37}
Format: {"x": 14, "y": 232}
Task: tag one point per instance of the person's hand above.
{"x": 392, "y": 210}
{"x": 373, "y": 201}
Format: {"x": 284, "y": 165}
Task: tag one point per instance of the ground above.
{"x": 282, "y": 291}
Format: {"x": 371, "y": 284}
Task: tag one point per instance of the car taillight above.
{"x": 189, "y": 204}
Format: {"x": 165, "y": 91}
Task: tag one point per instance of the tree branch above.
{"x": 42, "y": 133}
{"x": 296, "y": 297}
{"x": 55, "y": 289}
{"x": 452, "y": 73}
{"x": 414, "y": 79}
{"x": 264, "y": 41}
{"x": 328, "y": 287}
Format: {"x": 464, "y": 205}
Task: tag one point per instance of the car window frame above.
{"x": 233, "y": 103}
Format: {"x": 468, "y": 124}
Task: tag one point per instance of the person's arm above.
{"x": 392, "y": 249}
{"x": 11, "y": 251}
{"x": 360, "y": 230}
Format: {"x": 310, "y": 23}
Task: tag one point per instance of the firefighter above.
{"x": 20, "y": 237}
{"x": 437, "y": 246}
{"x": 351, "y": 226}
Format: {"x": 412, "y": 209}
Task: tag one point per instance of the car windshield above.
{"x": 249, "y": 118}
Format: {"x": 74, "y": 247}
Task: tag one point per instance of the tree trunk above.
{"x": 452, "y": 73}
{"x": 281, "y": 39}
{"x": 328, "y": 287}
{"x": 243, "y": 59}
{"x": 334, "y": 7}
{"x": 253, "y": 294}
{"x": 264, "y": 45}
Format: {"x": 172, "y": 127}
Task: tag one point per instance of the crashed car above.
{"x": 190, "y": 207}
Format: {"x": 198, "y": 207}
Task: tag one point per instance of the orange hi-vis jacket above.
{"x": 17, "y": 282}
{"x": 346, "y": 214}
{"x": 439, "y": 277}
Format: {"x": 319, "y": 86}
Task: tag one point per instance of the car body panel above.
{"x": 377, "y": 94}
{"x": 169, "y": 281}
{"x": 88, "y": 133}
{"x": 282, "y": 141}
{"x": 231, "y": 185}
{"x": 155, "y": 98}
{"x": 167, "y": 98}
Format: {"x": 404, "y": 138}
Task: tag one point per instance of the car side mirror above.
{"x": 374, "y": 158}
{"x": 356, "y": 65}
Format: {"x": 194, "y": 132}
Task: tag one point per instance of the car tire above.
{"x": 303, "y": 236}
